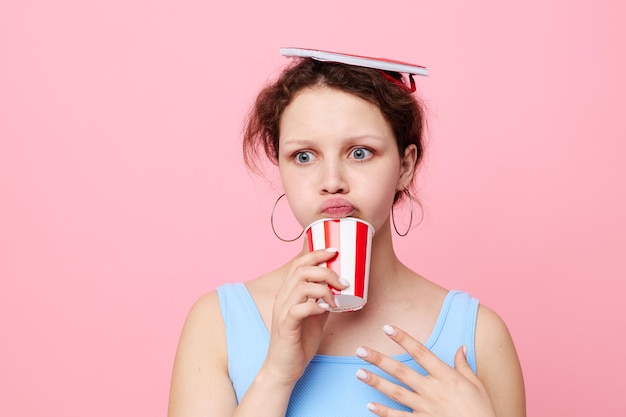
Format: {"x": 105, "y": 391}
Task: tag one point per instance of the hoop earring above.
{"x": 393, "y": 218}
{"x": 272, "y": 223}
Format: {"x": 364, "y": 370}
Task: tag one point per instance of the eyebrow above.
{"x": 305, "y": 142}
{"x": 298, "y": 142}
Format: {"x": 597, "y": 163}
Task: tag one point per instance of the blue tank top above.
{"x": 329, "y": 387}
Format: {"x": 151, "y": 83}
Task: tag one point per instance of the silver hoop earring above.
{"x": 393, "y": 218}
{"x": 272, "y": 223}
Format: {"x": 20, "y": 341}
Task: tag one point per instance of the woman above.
{"x": 347, "y": 141}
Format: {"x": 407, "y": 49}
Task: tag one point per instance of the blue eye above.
{"x": 361, "y": 153}
{"x": 304, "y": 157}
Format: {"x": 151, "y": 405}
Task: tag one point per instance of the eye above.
{"x": 361, "y": 153}
{"x": 304, "y": 157}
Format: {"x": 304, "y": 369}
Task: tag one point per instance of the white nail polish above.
{"x": 325, "y": 306}
{"x": 344, "y": 282}
{"x": 361, "y": 352}
{"x": 332, "y": 250}
{"x": 361, "y": 374}
{"x": 389, "y": 331}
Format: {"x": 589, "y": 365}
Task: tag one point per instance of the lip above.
{"x": 337, "y": 207}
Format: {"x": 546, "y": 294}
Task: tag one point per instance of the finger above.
{"x": 316, "y": 274}
{"x": 461, "y": 364}
{"x": 308, "y": 266}
{"x": 395, "y": 392}
{"x": 310, "y": 259}
{"x": 310, "y": 282}
{"x": 305, "y": 291}
{"x": 422, "y": 355}
{"x": 384, "y": 411}
{"x": 299, "y": 312}
{"x": 316, "y": 257}
{"x": 398, "y": 370}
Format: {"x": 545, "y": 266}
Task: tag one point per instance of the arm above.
{"x": 201, "y": 385}
{"x": 498, "y": 366}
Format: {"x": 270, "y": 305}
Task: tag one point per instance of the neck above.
{"x": 385, "y": 267}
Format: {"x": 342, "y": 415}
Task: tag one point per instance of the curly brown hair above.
{"x": 403, "y": 112}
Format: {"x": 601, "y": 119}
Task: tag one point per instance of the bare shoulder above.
{"x": 204, "y": 326}
{"x": 492, "y": 338}
{"x": 497, "y": 364}
{"x": 205, "y": 310}
{"x": 200, "y": 383}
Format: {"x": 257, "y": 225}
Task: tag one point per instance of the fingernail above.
{"x": 344, "y": 282}
{"x": 325, "y": 306}
{"x": 361, "y": 374}
{"x": 332, "y": 250}
{"x": 389, "y": 331}
{"x": 371, "y": 406}
{"x": 361, "y": 352}
{"x": 465, "y": 350}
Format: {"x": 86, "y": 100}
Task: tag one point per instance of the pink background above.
{"x": 123, "y": 196}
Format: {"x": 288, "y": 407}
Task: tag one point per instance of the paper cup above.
{"x": 353, "y": 238}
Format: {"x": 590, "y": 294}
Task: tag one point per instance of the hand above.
{"x": 444, "y": 392}
{"x": 298, "y": 319}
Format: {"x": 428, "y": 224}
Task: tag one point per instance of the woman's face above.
{"x": 338, "y": 157}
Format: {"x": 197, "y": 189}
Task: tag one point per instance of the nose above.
{"x": 333, "y": 179}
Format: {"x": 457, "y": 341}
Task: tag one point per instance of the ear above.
{"x": 407, "y": 167}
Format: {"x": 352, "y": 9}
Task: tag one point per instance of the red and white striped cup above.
{"x": 353, "y": 238}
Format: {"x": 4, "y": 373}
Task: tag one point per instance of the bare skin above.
{"x": 201, "y": 385}
{"x": 321, "y": 130}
